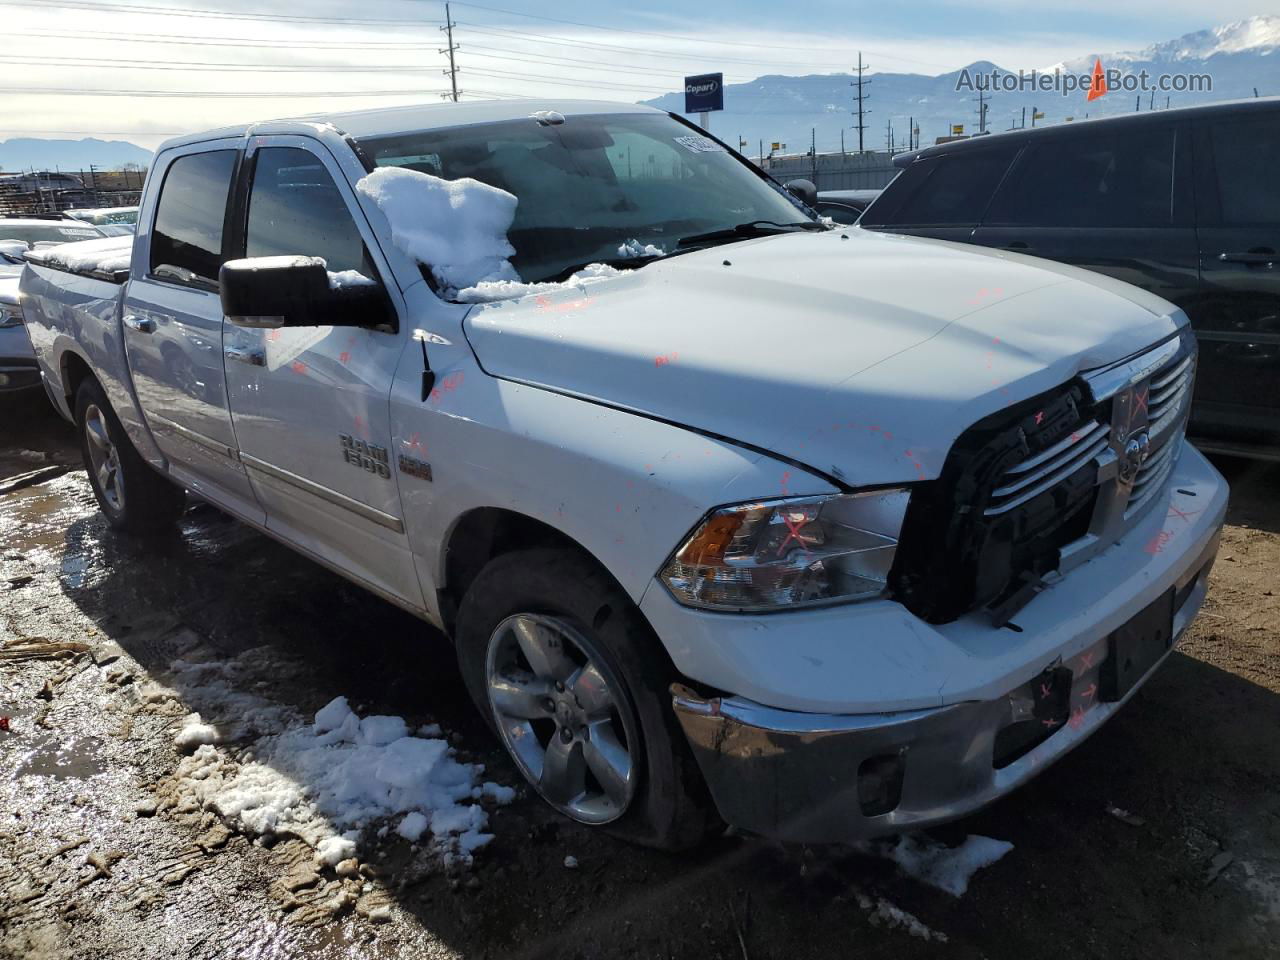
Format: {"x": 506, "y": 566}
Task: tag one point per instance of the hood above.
{"x": 862, "y": 355}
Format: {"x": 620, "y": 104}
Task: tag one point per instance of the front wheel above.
{"x": 574, "y": 682}
{"x": 133, "y": 497}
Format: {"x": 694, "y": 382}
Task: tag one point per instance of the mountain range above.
{"x": 1242, "y": 58}
{"x": 26, "y": 153}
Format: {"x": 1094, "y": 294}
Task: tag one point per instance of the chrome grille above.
{"x": 1150, "y": 397}
{"x": 1045, "y": 470}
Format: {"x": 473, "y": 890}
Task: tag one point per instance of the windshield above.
{"x": 31, "y": 233}
{"x": 596, "y": 188}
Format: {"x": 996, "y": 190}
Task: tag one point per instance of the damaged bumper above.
{"x": 814, "y": 778}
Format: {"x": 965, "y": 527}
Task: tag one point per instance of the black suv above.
{"x": 1184, "y": 203}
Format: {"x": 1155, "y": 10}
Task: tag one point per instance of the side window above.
{"x": 1120, "y": 179}
{"x": 295, "y": 208}
{"x": 186, "y": 241}
{"x": 1246, "y": 158}
{"x": 957, "y": 189}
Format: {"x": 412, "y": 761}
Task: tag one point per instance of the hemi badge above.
{"x": 415, "y": 468}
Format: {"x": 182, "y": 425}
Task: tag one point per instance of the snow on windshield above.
{"x": 107, "y": 254}
{"x": 458, "y": 228}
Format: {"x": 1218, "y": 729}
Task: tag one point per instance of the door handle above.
{"x": 141, "y": 324}
{"x": 1266, "y": 258}
{"x": 249, "y": 355}
{"x": 1018, "y": 245}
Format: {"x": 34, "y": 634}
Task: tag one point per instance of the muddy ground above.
{"x": 95, "y": 861}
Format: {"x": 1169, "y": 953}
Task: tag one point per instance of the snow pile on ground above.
{"x": 948, "y": 868}
{"x": 490, "y": 291}
{"x": 323, "y": 781}
{"x": 107, "y": 254}
{"x": 458, "y": 228}
{"x": 891, "y": 915}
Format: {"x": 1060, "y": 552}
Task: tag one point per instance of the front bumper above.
{"x": 18, "y": 373}
{"x": 814, "y": 777}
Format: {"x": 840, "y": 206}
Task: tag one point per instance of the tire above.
{"x": 132, "y": 496}
{"x": 558, "y": 599}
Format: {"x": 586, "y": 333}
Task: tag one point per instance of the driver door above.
{"x": 310, "y": 405}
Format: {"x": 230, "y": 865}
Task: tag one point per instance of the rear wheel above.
{"x": 132, "y": 496}
{"x": 574, "y": 682}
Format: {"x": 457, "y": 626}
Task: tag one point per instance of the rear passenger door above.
{"x": 173, "y": 323}
{"x": 1237, "y": 319}
{"x": 311, "y": 405}
{"x": 1116, "y": 200}
{"x": 942, "y": 196}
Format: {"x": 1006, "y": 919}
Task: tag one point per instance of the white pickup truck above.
{"x": 829, "y": 532}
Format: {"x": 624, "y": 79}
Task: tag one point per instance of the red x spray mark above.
{"x": 1077, "y": 717}
{"x": 1186, "y": 515}
{"x": 786, "y": 475}
{"x": 447, "y": 385}
{"x": 1045, "y": 691}
{"x": 344, "y": 357}
{"x": 1140, "y": 401}
{"x": 1088, "y": 692}
{"x": 793, "y": 533}
{"x": 1039, "y": 418}
{"x": 362, "y": 428}
{"x": 1052, "y": 722}
{"x": 665, "y": 359}
{"x": 298, "y": 367}
{"x": 415, "y": 443}
{"x": 1087, "y": 658}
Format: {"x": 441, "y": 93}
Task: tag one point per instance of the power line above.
{"x": 502, "y": 53}
{"x": 203, "y": 14}
{"x": 198, "y": 66}
{"x": 614, "y": 48}
{"x": 177, "y": 40}
{"x": 212, "y": 94}
{"x": 671, "y": 36}
{"x": 505, "y": 75}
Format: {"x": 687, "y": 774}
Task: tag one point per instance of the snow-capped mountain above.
{"x": 1240, "y": 57}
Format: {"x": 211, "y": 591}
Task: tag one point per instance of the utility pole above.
{"x": 842, "y": 141}
{"x": 982, "y": 110}
{"x": 888, "y": 137}
{"x": 762, "y": 154}
{"x": 911, "y": 136}
{"x": 813, "y": 152}
{"x": 452, "y": 72}
{"x": 861, "y": 97}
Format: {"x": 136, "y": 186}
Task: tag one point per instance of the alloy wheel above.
{"x": 563, "y": 716}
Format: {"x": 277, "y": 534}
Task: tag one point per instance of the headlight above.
{"x": 10, "y": 315}
{"x": 778, "y": 554}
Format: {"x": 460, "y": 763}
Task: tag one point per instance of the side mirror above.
{"x": 299, "y": 292}
{"x": 802, "y": 190}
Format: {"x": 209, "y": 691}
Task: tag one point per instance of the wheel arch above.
{"x": 482, "y": 534}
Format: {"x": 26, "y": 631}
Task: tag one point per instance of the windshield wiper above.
{"x": 744, "y": 231}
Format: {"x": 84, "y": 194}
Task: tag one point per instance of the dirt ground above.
{"x": 96, "y": 861}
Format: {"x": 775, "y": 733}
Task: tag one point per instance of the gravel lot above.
{"x": 1160, "y": 837}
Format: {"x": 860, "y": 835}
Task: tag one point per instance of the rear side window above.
{"x": 295, "y": 208}
{"x": 186, "y": 241}
{"x": 951, "y": 190}
{"x": 1120, "y": 179}
{"x": 1246, "y": 158}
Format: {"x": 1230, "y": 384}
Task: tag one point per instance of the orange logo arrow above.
{"x": 1099, "y": 86}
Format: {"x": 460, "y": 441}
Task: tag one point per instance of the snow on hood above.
{"x": 105, "y": 254}
{"x": 863, "y": 357}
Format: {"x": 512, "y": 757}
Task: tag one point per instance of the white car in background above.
{"x": 18, "y": 369}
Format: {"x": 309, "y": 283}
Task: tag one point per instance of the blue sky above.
{"x": 145, "y": 69}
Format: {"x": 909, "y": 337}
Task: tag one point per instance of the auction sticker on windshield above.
{"x": 696, "y": 144}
